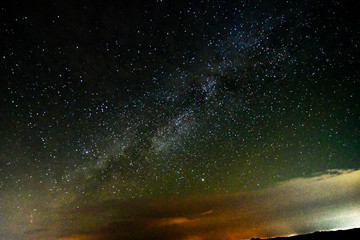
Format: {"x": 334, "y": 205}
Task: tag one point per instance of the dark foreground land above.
{"x": 341, "y": 234}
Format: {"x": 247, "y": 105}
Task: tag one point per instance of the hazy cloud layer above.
{"x": 296, "y": 206}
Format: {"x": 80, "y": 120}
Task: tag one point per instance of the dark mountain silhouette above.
{"x": 340, "y": 234}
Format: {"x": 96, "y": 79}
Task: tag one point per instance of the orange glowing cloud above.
{"x": 81, "y": 237}
{"x": 171, "y": 221}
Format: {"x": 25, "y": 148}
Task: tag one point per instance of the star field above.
{"x": 136, "y": 100}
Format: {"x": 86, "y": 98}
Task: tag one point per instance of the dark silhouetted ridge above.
{"x": 340, "y": 234}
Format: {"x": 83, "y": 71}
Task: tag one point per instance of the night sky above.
{"x": 182, "y": 120}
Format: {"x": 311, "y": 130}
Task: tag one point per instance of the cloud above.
{"x": 34, "y": 231}
{"x": 325, "y": 201}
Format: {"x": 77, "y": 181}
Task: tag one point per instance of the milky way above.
{"x": 137, "y": 103}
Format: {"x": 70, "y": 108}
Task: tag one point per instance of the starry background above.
{"x": 129, "y": 100}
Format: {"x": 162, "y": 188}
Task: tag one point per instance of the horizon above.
{"x": 284, "y": 236}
